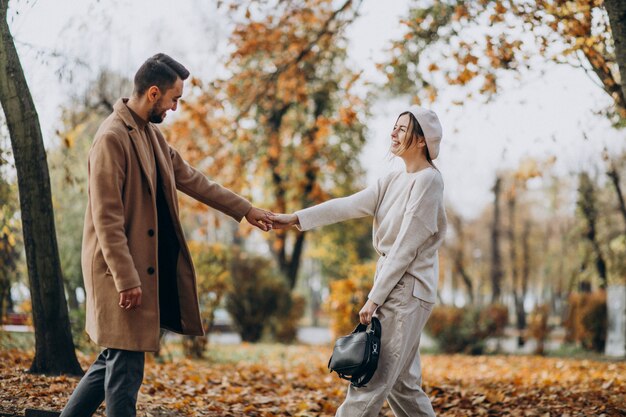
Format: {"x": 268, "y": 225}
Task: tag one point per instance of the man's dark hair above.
{"x": 160, "y": 70}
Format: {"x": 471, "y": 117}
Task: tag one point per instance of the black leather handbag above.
{"x": 355, "y": 356}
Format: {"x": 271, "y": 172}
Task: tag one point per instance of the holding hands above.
{"x": 266, "y": 220}
{"x": 260, "y": 218}
{"x": 284, "y": 221}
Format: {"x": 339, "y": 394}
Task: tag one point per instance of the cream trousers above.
{"x": 398, "y": 378}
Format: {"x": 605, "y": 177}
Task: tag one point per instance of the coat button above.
{"x": 151, "y": 270}
{"x": 150, "y": 232}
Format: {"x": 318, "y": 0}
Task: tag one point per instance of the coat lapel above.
{"x": 135, "y": 138}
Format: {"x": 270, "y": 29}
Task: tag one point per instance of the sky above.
{"x": 545, "y": 114}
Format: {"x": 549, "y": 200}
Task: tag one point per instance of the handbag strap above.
{"x": 376, "y": 329}
{"x": 374, "y": 326}
{"x": 371, "y": 367}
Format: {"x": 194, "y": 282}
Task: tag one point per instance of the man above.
{"x": 137, "y": 268}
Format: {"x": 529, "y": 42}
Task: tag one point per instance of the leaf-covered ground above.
{"x": 273, "y": 380}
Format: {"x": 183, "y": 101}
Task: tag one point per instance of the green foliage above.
{"x": 81, "y": 339}
{"x": 212, "y": 263}
{"x": 339, "y": 247}
{"x": 21, "y": 341}
{"x": 466, "y": 329}
{"x": 258, "y": 292}
{"x": 68, "y": 178}
{"x": 213, "y": 275}
{"x": 284, "y": 323}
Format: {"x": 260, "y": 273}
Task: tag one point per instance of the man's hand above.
{"x": 130, "y": 298}
{"x": 284, "y": 221}
{"x": 366, "y": 313}
{"x": 260, "y": 218}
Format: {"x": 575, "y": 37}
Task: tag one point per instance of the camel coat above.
{"x": 120, "y": 238}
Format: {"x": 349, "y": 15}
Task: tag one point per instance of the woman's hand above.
{"x": 366, "y": 313}
{"x": 284, "y": 221}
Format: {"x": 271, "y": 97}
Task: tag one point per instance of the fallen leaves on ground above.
{"x": 276, "y": 380}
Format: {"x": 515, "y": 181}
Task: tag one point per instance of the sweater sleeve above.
{"x": 357, "y": 205}
{"x": 419, "y": 224}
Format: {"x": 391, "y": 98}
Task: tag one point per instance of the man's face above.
{"x": 166, "y": 101}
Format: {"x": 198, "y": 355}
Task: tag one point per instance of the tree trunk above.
{"x": 525, "y": 277}
{"x": 520, "y": 314}
{"x": 5, "y": 286}
{"x": 54, "y": 348}
{"x": 291, "y": 269}
{"x": 588, "y": 206}
{"x": 458, "y": 255}
{"x": 496, "y": 257}
{"x": 615, "y": 179}
{"x": 616, "y": 9}
{"x": 288, "y": 265}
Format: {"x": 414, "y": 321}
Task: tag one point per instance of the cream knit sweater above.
{"x": 409, "y": 227}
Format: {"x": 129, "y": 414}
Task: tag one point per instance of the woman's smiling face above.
{"x": 400, "y": 134}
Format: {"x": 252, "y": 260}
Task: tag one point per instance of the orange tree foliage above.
{"x": 586, "y": 321}
{"x": 285, "y": 125}
{"x": 474, "y": 43}
{"x": 347, "y": 297}
{"x": 538, "y": 326}
{"x": 265, "y": 381}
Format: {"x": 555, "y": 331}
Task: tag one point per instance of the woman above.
{"x": 409, "y": 227}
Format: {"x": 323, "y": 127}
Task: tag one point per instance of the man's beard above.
{"x": 156, "y": 116}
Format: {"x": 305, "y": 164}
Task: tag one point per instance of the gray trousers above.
{"x": 115, "y": 377}
{"x": 398, "y": 378}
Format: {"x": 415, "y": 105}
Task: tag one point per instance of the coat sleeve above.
{"x": 107, "y": 174}
{"x": 419, "y": 224}
{"x": 357, "y": 205}
{"x": 196, "y": 185}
